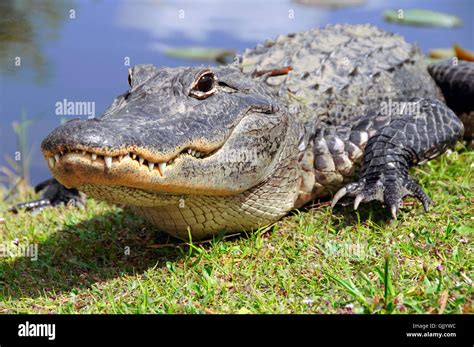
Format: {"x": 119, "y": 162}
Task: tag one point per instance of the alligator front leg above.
{"x": 409, "y": 139}
{"x": 52, "y": 193}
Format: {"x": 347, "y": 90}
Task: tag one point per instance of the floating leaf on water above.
{"x": 441, "y": 53}
{"x": 422, "y": 17}
{"x": 201, "y": 53}
{"x": 437, "y": 54}
{"x": 462, "y": 53}
{"x": 330, "y": 3}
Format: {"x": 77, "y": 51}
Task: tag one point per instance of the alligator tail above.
{"x": 456, "y": 81}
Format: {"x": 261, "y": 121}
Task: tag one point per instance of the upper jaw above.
{"x": 100, "y": 147}
{"x": 108, "y": 159}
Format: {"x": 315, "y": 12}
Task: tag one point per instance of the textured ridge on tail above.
{"x": 456, "y": 80}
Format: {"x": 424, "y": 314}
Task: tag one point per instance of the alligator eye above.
{"x": 205, "y": 83}
{"x": 204, "y": 86}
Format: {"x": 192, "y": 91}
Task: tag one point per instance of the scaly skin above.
{"x": 265, "y": 144}
{"x": 458, "y": 88}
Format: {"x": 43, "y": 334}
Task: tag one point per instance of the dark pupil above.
{"x": 205, "y": 83}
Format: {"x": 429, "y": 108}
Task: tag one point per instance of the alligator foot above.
{"x": 421, "y": 134}
{"x": 389, "y": 189}
{"x": 52, "y": 193}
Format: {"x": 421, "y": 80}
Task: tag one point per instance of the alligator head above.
{"x": 179, "y": 135}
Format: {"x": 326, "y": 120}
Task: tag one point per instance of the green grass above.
{"x": 313, "y": 261}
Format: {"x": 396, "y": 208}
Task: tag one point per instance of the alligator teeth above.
{"x": 162, "y": 167}
{"x": 108, "y": 162}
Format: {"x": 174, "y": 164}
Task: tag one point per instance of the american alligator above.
{"x": 202, "y": 150}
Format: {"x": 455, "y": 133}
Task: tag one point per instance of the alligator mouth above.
{"x": 109, "y": 161}
{"x": 170, "y": 173}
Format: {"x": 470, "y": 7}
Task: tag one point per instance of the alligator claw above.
{"x": 357, "y": 201}
{"x": 352, "y": 189}
{"x": 338, "y": 196}
{"x": 393, "y": 211}
{"x": 389, "y": 192}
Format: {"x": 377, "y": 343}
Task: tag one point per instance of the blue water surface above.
{"x": 76, "y": 50}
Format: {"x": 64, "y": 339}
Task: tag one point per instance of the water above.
{"x": 82, "y": 58}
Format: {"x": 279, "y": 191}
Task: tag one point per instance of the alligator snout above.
{"x": 154, "y": 140}
{"x": 90, "y": 135}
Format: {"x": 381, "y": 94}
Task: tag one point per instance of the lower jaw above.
{"x": 198, "y": 216}
{"x": 129, "y": 196}
{"x": 205, "y": 216}
{"x": 74, "y": 171}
